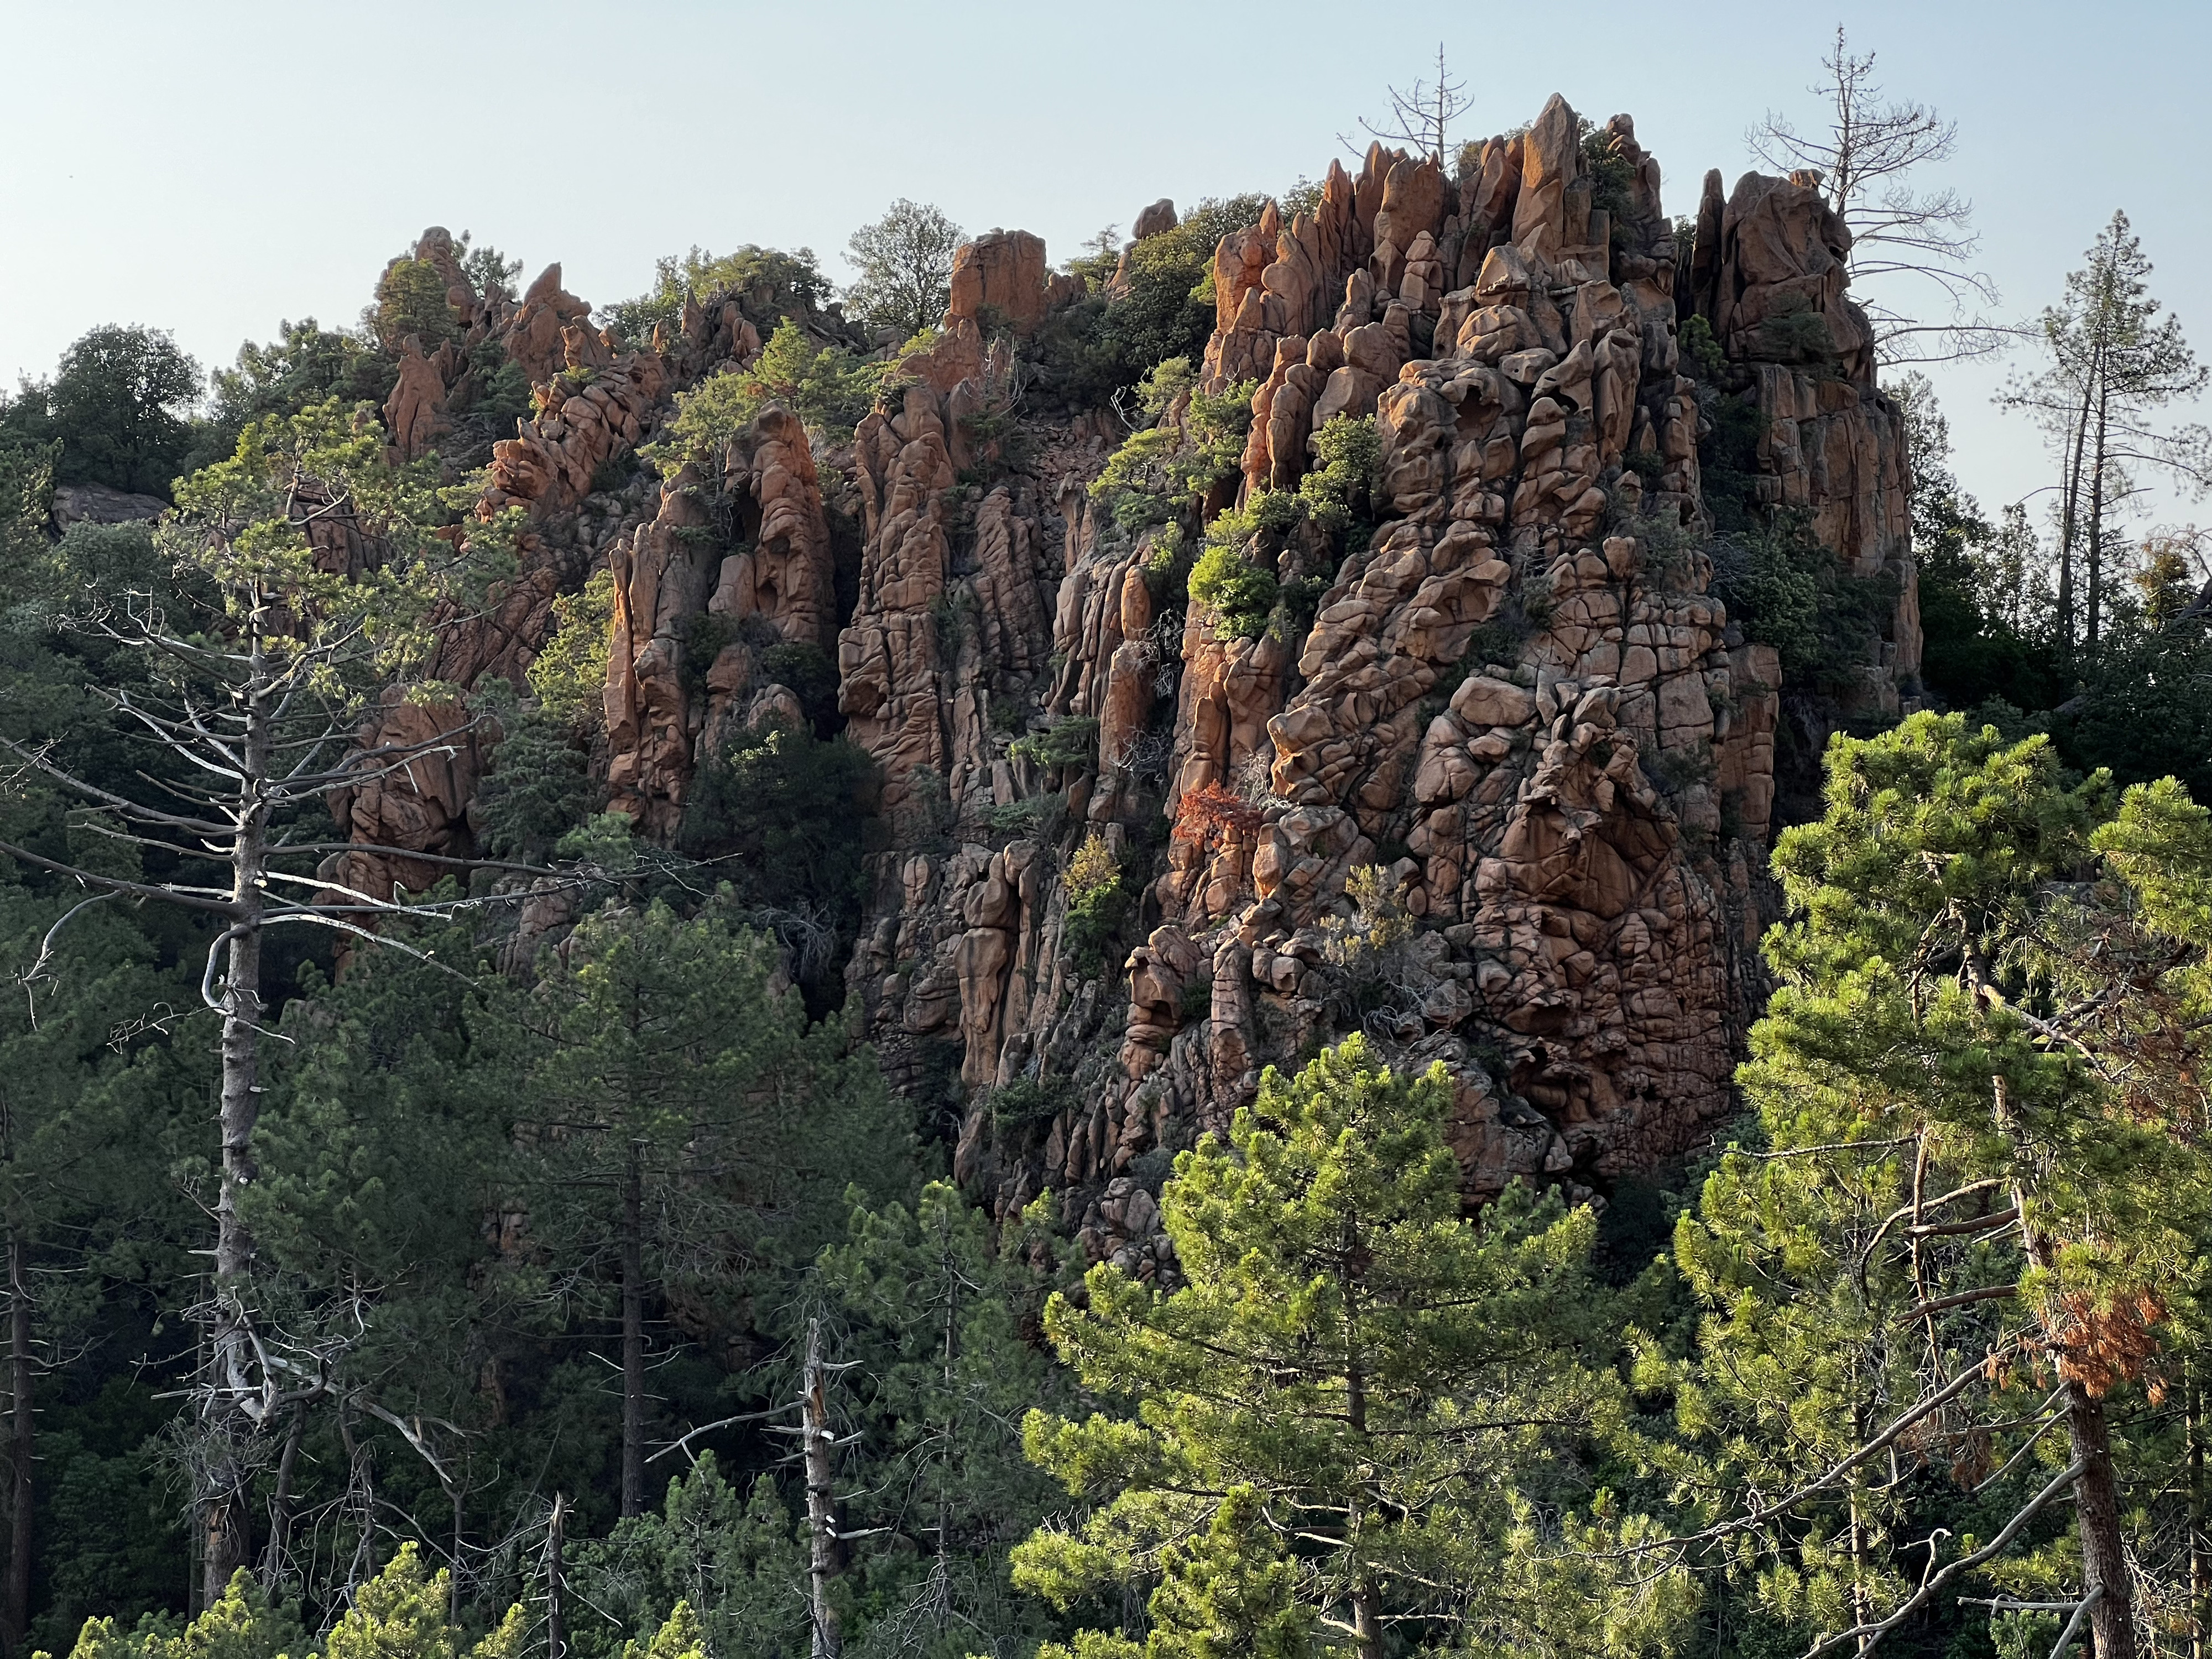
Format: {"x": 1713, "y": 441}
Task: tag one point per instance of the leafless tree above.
{"x": 1420, "y": 117}
{"x": 253, "y": 671}
{"x": 1899, "y": 233}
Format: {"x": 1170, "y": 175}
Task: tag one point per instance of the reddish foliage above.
{"x": 1210, "y": 812}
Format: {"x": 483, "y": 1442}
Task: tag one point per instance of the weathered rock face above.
{"x": 1004, "y": 272}
{"x": 1768, "y": 275}
{"x": 98, "y": 504}
{"x": 1503, "y": 804}
{"x": 595, "y": 399}
{"x": 1520, "y": 709}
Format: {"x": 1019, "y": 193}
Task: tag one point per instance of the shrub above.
{"x": 1212, "y": 812}
{"x": 828, "y": 387}
{"x": 1767, "y": 580}
{"x": 1163, "y": 383}
{"x": 569, "y": 675}
{"x": 1241, "y": 595}
{"x": 1027, "y": 1101}
{"x": 1071, "y": 741}
{"x": 537, "y": 789}
{"x": 1611, "y": 177}
{"x": 1105, "y": 344}
{"x": 1379, "y": 920}
{"x": 1701, "y": 352}
{"x": 1339, "y": 493}
{"x": 780, "y": 809}
{"x": 1023, "y": 817}
{"x": 805, "y": 668}
{"x": 1098, "y": 900}
{"x": 1158, "y": 473}
{"x": 773, "y": 281}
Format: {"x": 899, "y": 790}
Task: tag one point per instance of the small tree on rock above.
{"x": 905, "y": 262}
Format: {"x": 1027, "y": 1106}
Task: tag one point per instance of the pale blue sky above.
{"x": 213, "y": 167}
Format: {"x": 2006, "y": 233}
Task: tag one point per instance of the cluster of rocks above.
{"x": 1503, "y": 804}
{"x": 1523, "y": 702}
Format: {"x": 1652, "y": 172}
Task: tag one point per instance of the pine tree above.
{"x": 684, "y": 1128}
{"x": 2114, "y": 363}
{"x": 1983, "y": 1079}
{"x": 933, "y": 1310}
{"x": 1335, "y": 1424}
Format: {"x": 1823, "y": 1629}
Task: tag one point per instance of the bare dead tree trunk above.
{"x": 453, "y": 1580}
{"x": 822, "y": 1563}
{"x": 2192, "y": 1407}
{"x": 556, "y": 1631}
{"x": 280, "y": 1502}
{"x": 22, "y": 1518}
{"x": 2069, "y": 521}
{"x": 225, "y": 1522}
{"x": 632, "y": 1335}
{"x": 2095, "y": 550}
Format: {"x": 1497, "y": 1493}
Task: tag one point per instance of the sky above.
{"x": 213, "y": 169}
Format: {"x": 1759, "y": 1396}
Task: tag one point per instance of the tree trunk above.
{"x": 2193, "y": 1430}
{"x": 2097, "y": 1512}
{"x": 2096, "y": 1494}
{"x": 1366, "y": 1633}
{"x": 557, "y": 1630}
{"x": 15, "y": 1618}
{"x": 632, "y": 1335}
{"x": 280, "y": 1502}
{"x": 822, "y": 1562}
{"x": 2093, "y": 549}
{"x": 2069, "y": 516}
{"x": 224, "y": 1521}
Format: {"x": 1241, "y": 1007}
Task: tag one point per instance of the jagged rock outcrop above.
{"x": 1503, "y": 802}
{"x": 1769, "y": 276}
{"x": 595, "y": 398}
{"x": 1572, "y": 816}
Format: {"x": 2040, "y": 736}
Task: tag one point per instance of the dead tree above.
{"x": 1862, "y": 157}
{"x": 817, "y": 1445}
{"x": 1421, "y": 116}
{"x": 252, "y": 670}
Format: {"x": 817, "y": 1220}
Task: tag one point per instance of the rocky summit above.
{"x": 1500, "y": 797}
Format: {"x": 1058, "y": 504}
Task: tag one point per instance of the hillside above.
{"x": 1280, "y": 936}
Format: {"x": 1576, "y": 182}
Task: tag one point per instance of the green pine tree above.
{"x": 1966, "y": 1250}
{"x": 1335, "y": 1426}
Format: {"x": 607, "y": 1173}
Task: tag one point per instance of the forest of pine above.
{"x": 385, "y": 1279}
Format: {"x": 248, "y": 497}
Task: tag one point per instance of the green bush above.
{"x": 1338, "y": 493}
{"x": 773, "y": 281}
{"x": 1795, "y": 333}
{"x": 537, "y": 789}
{"x": 1027, "y": 1101}
{"x": 1098, "y": 903}
{"x": 1070, "y": 741}
{"x": 1105, "y": 344}
{"x": 828, "y": 387}
{"x": 569, "y": 675}
{"x": 1786, "y": 590}
{"x": 806, "y": 670}
{"x": 1611, "y": 177}
{"x": 1241, "y": 594}
{"x": 1159, "y": 473}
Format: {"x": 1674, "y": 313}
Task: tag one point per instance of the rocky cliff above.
{"x": 1499, "y": 793}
